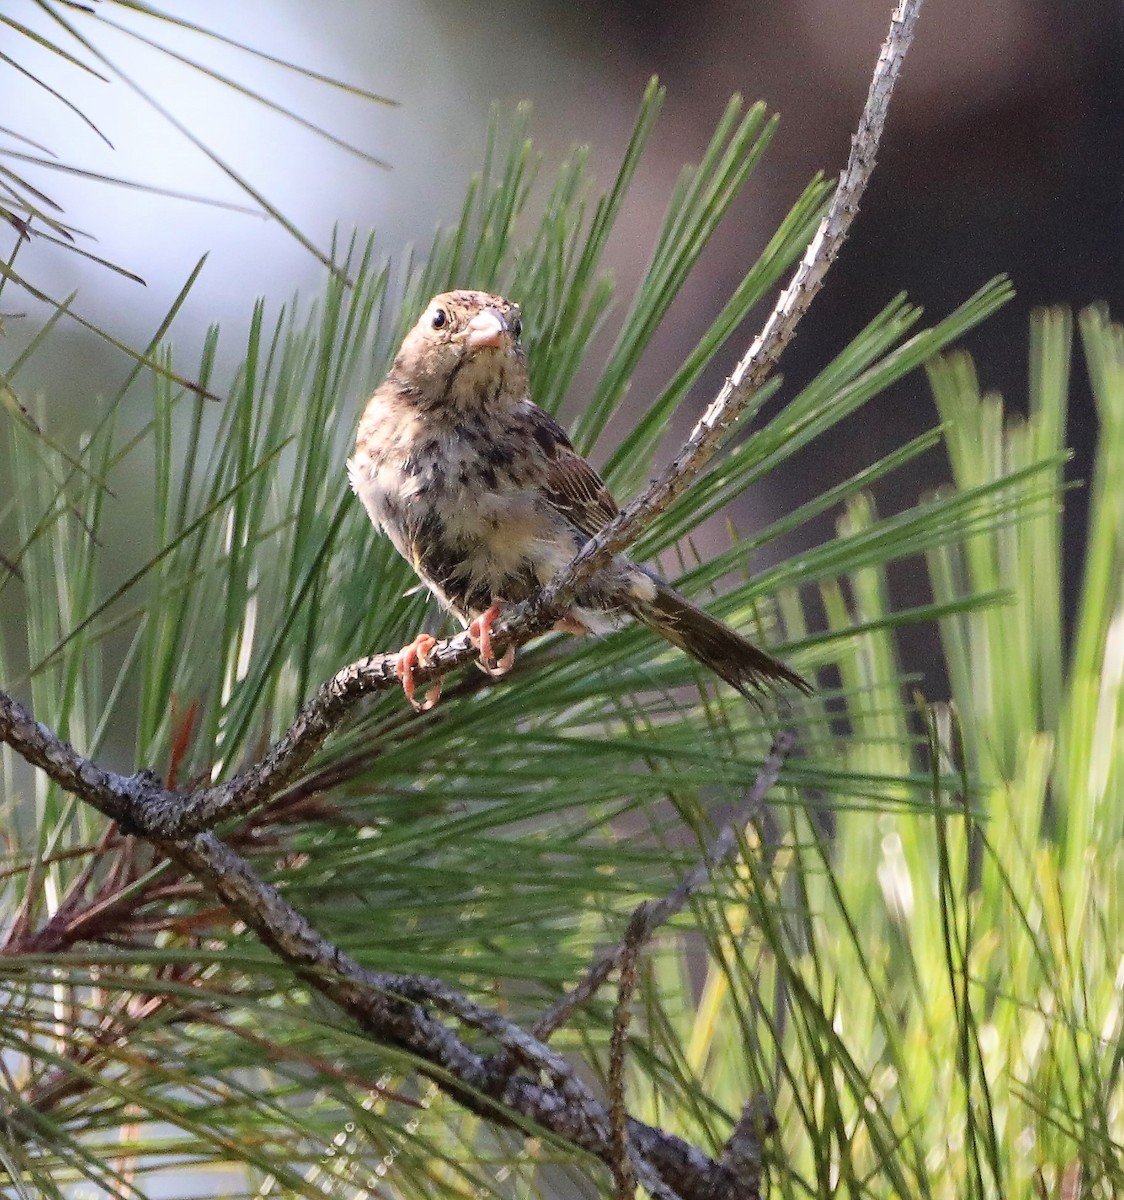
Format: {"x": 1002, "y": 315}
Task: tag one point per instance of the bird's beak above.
{"x": 487, "y": 328}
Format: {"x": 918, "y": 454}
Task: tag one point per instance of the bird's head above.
{"x": 465, "y": 352}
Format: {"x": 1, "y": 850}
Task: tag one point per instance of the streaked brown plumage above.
{"x": 482, "y": 492}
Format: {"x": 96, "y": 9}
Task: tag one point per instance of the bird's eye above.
{"x": 440, "y": 317}
{"x": 517, "y": 328}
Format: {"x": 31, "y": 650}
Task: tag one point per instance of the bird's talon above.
{"x": 496, "y": 669}
{"x": 480, "y": 635}
{"x": 416, "y": 654}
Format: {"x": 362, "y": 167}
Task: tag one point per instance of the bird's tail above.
{"x": 714, "y": 644}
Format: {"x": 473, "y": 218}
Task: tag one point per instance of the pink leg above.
{"x": 480, "y": 634}
{"x": 414, "y": 655}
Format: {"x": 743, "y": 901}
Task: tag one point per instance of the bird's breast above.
{"x": 464, "y": 506}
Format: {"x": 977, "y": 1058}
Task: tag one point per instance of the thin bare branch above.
{"x": 761, "y": 357}
{"x": 624, "y": 1178}
{"x": 647, "y": 917}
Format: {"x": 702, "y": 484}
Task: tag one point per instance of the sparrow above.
{"x": 485, "y": 497}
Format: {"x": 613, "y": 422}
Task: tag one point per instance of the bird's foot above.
{"x": 416, "y": 654}
{"x": 480, "y": 635}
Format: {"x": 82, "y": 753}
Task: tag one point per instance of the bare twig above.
{"x": 170, "y": 814}
{"x": 647, "y": 917}
{"x": 623, "y": 1176}
{"x": 761, "y": 357}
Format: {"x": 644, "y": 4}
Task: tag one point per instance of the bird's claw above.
{"x": 416, "y": 654}
{"x": 480, "y": 635}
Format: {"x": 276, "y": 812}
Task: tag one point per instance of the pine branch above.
{"x": 762, "y": 356}
{"x": 526, "y": 1080}
{"x": 396, "y": 1009}
{"x": 649, "y": 916}
{"x": 175, "y": 815}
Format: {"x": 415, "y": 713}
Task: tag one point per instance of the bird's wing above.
{"x": 570, "y": 484}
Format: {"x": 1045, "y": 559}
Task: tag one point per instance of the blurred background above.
{"x": 1003, "y": 153}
